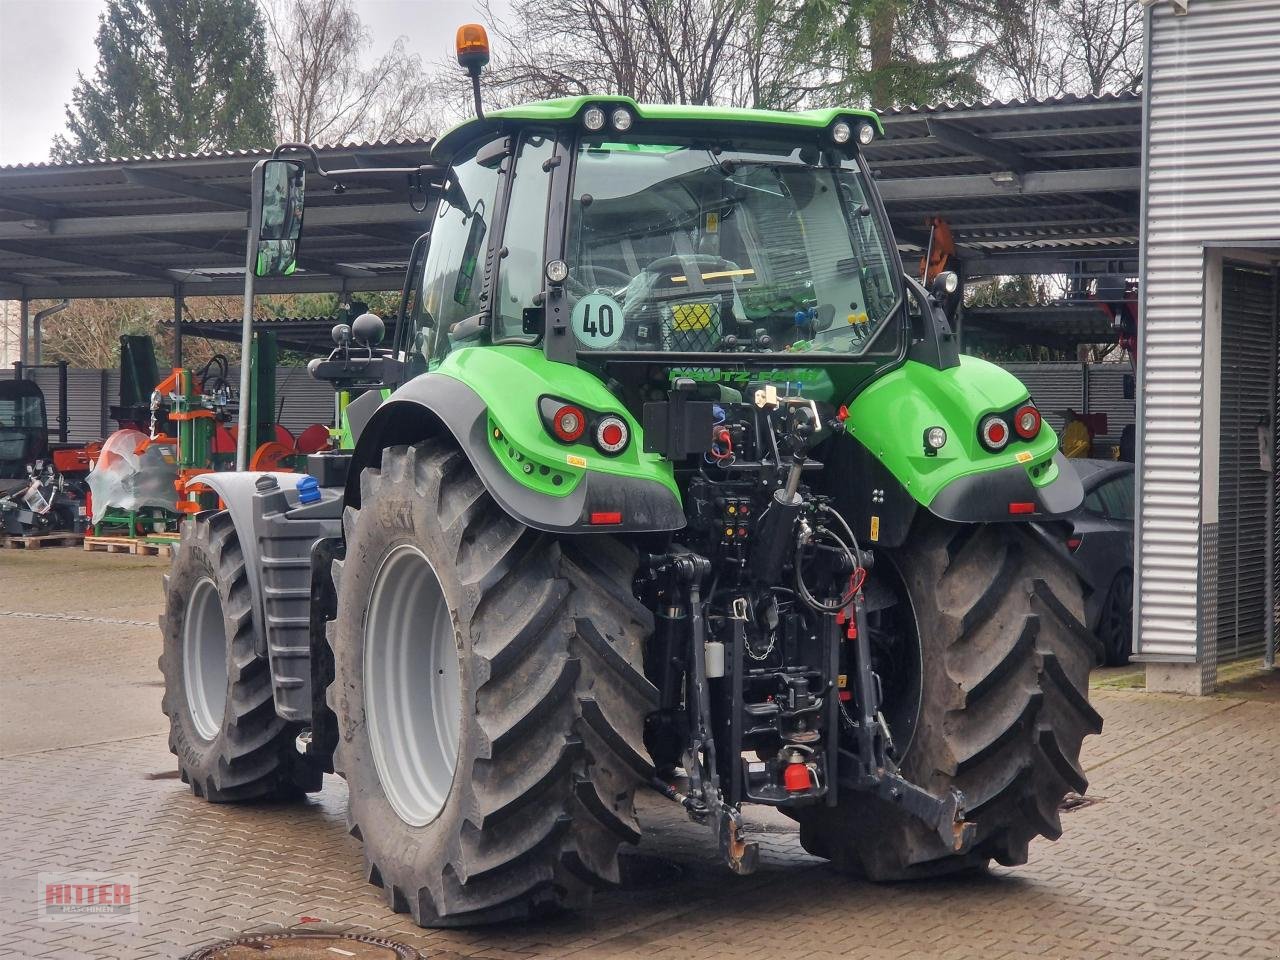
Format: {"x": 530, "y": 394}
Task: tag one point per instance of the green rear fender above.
{"x": 488, "y": 398}
{"x": 891, "y": 472}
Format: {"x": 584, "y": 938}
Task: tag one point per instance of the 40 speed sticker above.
{"x": 597, "y": 321}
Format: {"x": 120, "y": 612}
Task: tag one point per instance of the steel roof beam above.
{"x": 31, "y": 208}
{"x": 129, "y": 268}
{"x": 957, "y": 138}
{"x": 307, "y": 262}
{"x": 1032, "y": 183}
{"x": 156, "y": 180}
{"x": 353, "y": 216}
{"x": 109, "y": 287}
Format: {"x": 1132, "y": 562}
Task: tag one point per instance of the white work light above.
{"x": 593, "y": 119}
{"x": 840, "y": 132}
{"x": 621, "y": 119}
{"x": 866, "y": 133}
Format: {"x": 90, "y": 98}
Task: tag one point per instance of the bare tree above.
{"x": 1045, "y": 48}
{"x": 671, "y": 51}
{"x": 1106, "y": 51}
{"x": 325, "y": 92}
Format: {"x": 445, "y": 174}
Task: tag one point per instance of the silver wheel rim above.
{"x": 204, "y": 658}
{"x": 412, "y": 694}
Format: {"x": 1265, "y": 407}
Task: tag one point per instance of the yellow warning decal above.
{"x": 713, "y": 222}
{"x": 1025, "y": 456}
{"x": 574, "y": 460}
{"x": 842, "y": 681}
{"x": 875, "y": 527}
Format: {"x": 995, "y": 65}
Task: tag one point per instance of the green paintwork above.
{"x": 891, "y": 415}
{"x": 346, "y": 439}
{"x": 568, "y": 108}
{"x": 510, "y": 380}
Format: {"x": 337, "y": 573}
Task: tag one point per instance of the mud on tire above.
{"x": 549, "y": 744}
{"x": 1004, "y": 704}
{"x": 223, "y": 726}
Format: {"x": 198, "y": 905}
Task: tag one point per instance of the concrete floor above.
{"x": 1177, "y": 858}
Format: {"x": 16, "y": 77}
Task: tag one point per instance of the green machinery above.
{"x": 183, "y": 427}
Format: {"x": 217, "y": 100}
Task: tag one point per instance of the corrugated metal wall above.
{"x": 1211, "y": 158}
{"x": 1084, "y": 387}
{"x": 300, "y": 400}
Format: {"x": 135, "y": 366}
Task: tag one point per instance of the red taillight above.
{"x": 606, "y": 518}
{"x": 1073, "y": 543}
{"x": 1022, "y": 507}
{"x": 1027, "y": 421}
{"x": 995, "y": 433}
{"x": 568, "y": 423}
{"x": 611, "y": 434}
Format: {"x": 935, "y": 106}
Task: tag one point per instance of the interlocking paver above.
{"x": 1176, "y": 861}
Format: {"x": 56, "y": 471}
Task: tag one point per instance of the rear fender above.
{"x": 892, "y": 473}
{"x": 488, "y": 406}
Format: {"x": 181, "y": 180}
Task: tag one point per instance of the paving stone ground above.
{"x": 1178, "y": 858}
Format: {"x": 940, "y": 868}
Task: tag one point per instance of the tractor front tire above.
{"x": 489, "y": 697}
{"x": 223, "y": 726}
{"x": 1003, "y": 706}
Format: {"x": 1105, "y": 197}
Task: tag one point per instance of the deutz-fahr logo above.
{"x": 713, "y": 375}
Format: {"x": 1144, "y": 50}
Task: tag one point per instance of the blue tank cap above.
{"x": 308, "y": 490}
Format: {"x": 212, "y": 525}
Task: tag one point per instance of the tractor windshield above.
{"x": 691, "y": 247}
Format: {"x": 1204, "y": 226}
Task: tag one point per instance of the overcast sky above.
{"x": 44, "y": 42}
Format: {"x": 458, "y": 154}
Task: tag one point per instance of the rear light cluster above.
{"x": 997, "y": 429}
{"x": 570, "y": 423}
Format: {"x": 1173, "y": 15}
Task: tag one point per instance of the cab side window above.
{"x": 453, "y": 268}
{"x": 523, "y": 236}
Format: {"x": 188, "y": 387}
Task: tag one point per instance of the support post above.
{"x": 179, "y": 302}
{"x": 244, "y": 420}
{"x": 24, "y": 331}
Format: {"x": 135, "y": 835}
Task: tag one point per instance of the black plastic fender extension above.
{"x": 434, "y": 405}
{"x": 986, "y": 497}
{"x": 277, "y": 537}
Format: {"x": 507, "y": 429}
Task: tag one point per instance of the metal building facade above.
{"x": 1211, "y": 194}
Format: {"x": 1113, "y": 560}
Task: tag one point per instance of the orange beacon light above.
{"x": 473, "y": 47}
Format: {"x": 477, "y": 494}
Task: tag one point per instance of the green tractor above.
{"x": 669, "y": 480}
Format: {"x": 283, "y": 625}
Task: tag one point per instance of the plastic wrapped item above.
{"x": 132, "y": 473}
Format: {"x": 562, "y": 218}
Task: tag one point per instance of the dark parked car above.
{"x": 1101, "y": 543}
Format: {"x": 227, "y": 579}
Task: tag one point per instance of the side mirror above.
{"x": 279, "y": 189}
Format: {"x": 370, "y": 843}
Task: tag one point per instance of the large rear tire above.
{"x": 1003, "y": 704}
{"x": 223, "y": 726}
{"x": 527, "y": 709}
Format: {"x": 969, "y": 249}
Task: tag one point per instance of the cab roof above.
{"x": 568, "y": 108}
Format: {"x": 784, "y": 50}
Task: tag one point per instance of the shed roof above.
{"x": 1027, "y": 186}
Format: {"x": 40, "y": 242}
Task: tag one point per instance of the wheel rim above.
{"x": 412, "y": 693}
{"x": 204, "y": 658}
{"x": 897, "y": 657}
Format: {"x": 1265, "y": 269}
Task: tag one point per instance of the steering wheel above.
{"x": 611, "y": 277}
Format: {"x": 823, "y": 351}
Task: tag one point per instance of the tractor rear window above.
{"x": 686, "y": 247}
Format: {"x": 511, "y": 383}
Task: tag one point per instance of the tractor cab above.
{"x": 24, "y": 430}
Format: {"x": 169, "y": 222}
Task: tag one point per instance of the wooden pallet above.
{"x": 44, "y": 540}
{"x": 108, "y": 544}
{"x": 155, "y": 546}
